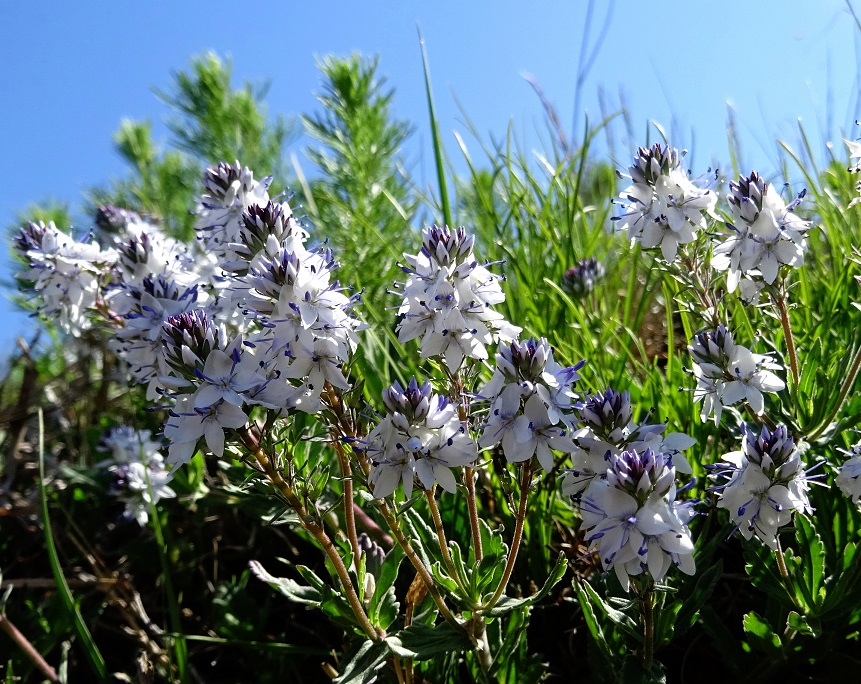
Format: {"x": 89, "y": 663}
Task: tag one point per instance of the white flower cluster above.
{"x": 447, "y": 299}
{"x": 420, "y": 437}
{"x": 728, "y": 373}
{"x": 767, "y": 483}
{"x": 254, "y": 318}
{"x": 283, "y": 290}
{"x": 662, "y": 207}
{"x": 632, "y": 519}
{"x": 137, "y": 469}
{"x": 606, "y": 430}
{"x": 766, "y": 235}
{"x": 67, "y": 274}
{"x": 531, "y": 399}
{"x": 849, "y": 474}
{"x": 229, "y": 191}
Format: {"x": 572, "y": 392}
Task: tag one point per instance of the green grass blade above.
{"x": 437, "y": 142}
{"x": 90, "y": 649}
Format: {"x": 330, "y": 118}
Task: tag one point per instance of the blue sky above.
{"x": 69, "y": 72}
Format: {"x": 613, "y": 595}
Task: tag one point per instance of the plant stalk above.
{"x": 469, "y": 481}
{"x": 349, "y": 513}
{"x": 410, "y": 553}
{"x": 647, "y": 608}
{"x": 525, "y": 480}
{"x": 443, "y": 543}
{"x": 314, "y": 529}
{"x": 787, "y": 334}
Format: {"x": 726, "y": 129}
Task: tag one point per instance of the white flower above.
{"x": 230, "y": 190}
{"x": 753, "y": 376}
{"x": 633, "y": 521}
{"x": 767, "y": 483}
{"x": 662, "y": 207}
{"x": 421, "y": 437}
{"x": 728, "y": 373}
{"x": 226, "y": 376}
{"x": 765, "y": 236}
{"x": 848, "y": 478}
{"x": 141, "y": 485}
{"x": 447, "y": 299}
{"x": 66, "y": 273}
{"x": 188, "y": 424}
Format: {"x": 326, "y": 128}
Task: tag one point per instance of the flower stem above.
{"x": 313, "y": 528}
{"x": 422, "y": 571}
{"x": 349, "y": 515}
{"x": 784, "y": 572}
{"x": 443, "y": 544}
{"x": 525, "y": 480}
{"x": 647, "y": 610}
{"x": 457, "y": 391}
{"x": 787, "y": 334}
{"x": 469, "y": 481}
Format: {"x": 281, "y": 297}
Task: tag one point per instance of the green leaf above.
{"x": 506, "y": 605}
{"x": 515, "y": 636}
{"x": 383, "y": 601}
{"x": 298, "y": 593}
{"x": 618, "y": 617}
{"x": 812, "y": 552}
{"x": 422, "y": 642}
{"x": 761, "y": 636}
{"x": 363, "y": 665}
{"x": 332, "y": 601}
{"x": 437, "y": 141}
{"x": 706, "y": 583}
{"x": 593, "y": 623}
{"x": 633, "y": 672}
{"x": 666, "y": 621}
{"x": 97, "y": 662}
{"x": 806, "y": 626}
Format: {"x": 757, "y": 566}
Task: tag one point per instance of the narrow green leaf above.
{"x": 298, "y": 593}
{"x": 97, "y": 662}
{"x": 423, "y": 642}
{"x": 437, "y": 141}
{"x": 761, "y": 635}
{"x": 506, "y": 604}
{"x": 362, "y": 667}
{"x": 593, "y": 623}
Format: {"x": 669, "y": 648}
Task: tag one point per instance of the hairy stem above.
{"x": 787, "y": 334}
{"x": 784, "y": 572}
{"x": 457, "y": 391}
{"x": 349, "y": 513}
{"x": 313, "y": 528}
{"x": 647, "y": 610}
{"x": 469, "y": 481}
{"x": 443, "y": 543}
{"x": 422, "y": 571}
{"x": 525, "y": 480}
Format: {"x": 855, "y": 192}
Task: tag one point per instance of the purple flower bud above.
{"x": 580, "y": 279}
{"x": 187, "y": 339}
{"x": 30, "y": 237}
{"x": 714, "y": 347}
{"x": 606, "y": 412}
{"x": 447, "y": 246}
{"x": 413, "y": 402}
{"x": 746, "y": 196}
{"x": 652, "y": 163}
